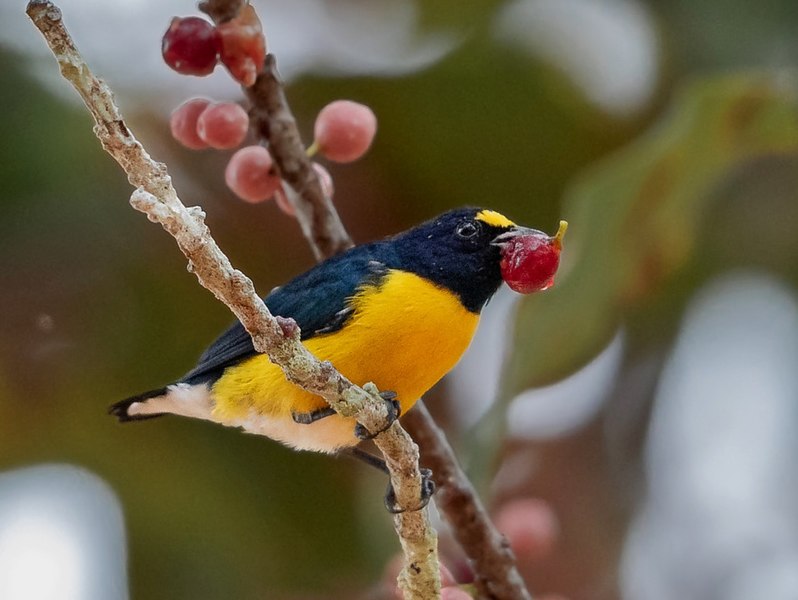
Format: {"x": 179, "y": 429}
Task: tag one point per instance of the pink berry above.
{"x": 243, "y": 47}
{"x": 191, "y": 46}
{"x": 223, "y": 125}
{"x": 344, "y": 130}
{"x": 455, "y": 593}
{"x": 283, "y": 203}
{"x": 530, "y": 526}
{"x": 183, "y": 123}
{"x": 446, "y": 576}
{"x": 250, "y": 174}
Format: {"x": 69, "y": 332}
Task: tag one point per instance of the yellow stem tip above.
{"x": 560, "y": 233}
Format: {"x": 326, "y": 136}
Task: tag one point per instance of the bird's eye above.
{"x": 467, "y": 230}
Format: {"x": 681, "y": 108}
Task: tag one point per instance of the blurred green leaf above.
{"x": 636, "y": 219}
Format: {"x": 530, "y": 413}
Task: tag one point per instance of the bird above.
{"x": 398, "y": 312}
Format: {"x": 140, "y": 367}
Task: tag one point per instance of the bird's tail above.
{"x": 176, "y": 399}
{"x": 122, "y": 409}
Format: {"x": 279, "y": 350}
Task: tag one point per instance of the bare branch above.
{"x": 274, "y": 122}
{"x": 156, "y": 197}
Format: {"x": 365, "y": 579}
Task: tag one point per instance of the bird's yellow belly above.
{"x": 404, "y": 335}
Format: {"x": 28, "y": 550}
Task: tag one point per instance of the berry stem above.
{"x": 557, "y": 239}
{"x": 312, "y": 150}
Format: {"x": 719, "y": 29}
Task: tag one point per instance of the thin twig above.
{"x": 278, "y": 338}
{"x": 222, "y": 11}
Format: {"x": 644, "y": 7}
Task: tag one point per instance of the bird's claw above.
{"x": 394, "y": 410}
{"x": 427, "y": 490}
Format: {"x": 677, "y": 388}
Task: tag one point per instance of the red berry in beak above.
{"x": 530, "y": 259}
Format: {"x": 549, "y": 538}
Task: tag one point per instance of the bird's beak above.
{"x": 504, "y": 240}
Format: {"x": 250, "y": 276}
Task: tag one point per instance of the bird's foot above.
{"x": 394, "y": 409}
{"x": 427, "y": 490}
{"x": 306, "y": 418}
{"x": 427, "y": 484}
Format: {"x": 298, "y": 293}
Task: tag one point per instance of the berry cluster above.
{"x": 343, "y": 129}
{"x": 193, "y": 46}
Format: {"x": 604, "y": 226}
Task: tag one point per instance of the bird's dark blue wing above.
{"x": 316, "y": 300}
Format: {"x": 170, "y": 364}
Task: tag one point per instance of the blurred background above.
{"x": 650, "y": 398}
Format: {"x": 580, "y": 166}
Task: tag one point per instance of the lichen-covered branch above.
{"x": 492, "y": 559}
{"x": 279, "y": 338}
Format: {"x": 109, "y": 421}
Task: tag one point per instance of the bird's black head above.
{"x": 457, "y": 250}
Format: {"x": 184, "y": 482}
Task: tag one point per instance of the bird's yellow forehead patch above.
{"x": 494, "y": 219}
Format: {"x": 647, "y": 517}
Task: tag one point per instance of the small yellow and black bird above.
{"x": 397, "y": 312}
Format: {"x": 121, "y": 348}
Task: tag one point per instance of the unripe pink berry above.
{"x": 223, "y": 125}
{"x": 183, "y": 123}
{"x": 191, "y": 46}
{"x": 530, "y": 525}
{"x": 344, "y": 130}
{"x": 454, "y": 593}
{"x": 250, "y": 174}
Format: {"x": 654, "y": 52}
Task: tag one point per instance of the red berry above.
{"x": 530, "y": 260}
{"x": 344, "y": 130}
{"x": 530, "y": 526}
{"x": 223, "y": 125}
{"x": 243, "y": 47}
{"x": 191, "y": 46}
{"x": 250, "y": 174}
{"x": 183, "y": 123}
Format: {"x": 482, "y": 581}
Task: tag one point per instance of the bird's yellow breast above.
{"x": 404, "y": 335}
